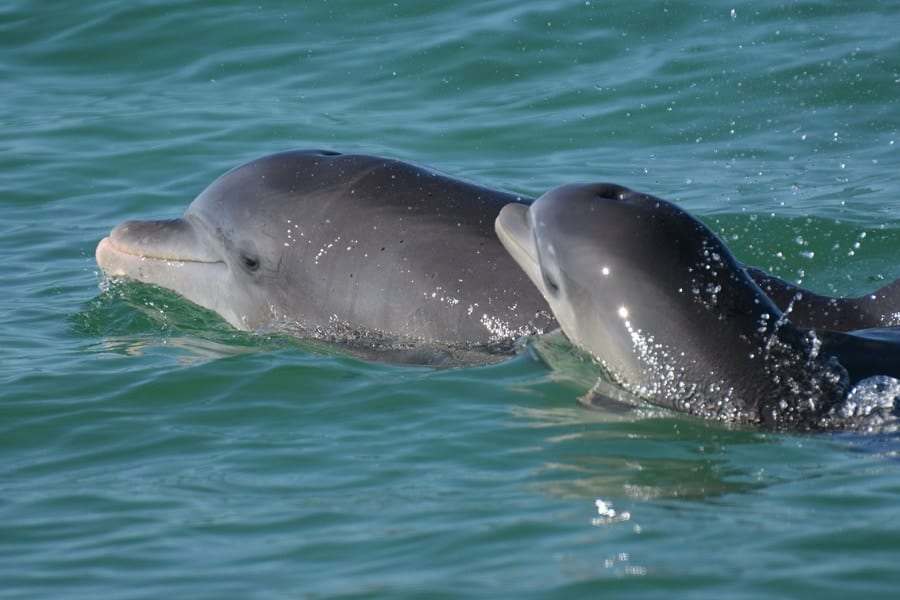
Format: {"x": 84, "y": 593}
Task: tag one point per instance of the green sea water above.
{"x": 148, "y": 450}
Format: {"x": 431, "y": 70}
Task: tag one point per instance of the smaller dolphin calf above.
{"x": 332, "y": 245}
{"x": 660, "y": 302}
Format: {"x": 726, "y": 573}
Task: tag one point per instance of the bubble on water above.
{"x": 607, "y": 514}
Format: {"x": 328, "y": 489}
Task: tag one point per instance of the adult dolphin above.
{"x": 340, "y": 246}
{"x": 659, "y": 301}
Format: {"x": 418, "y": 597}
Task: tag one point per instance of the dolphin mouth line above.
{"x": 143, "y": 255}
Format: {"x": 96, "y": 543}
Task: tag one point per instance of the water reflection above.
{"x": 629, "y": 452}
{"x": 136, "y": 319}
{"x": 636, "y": 466}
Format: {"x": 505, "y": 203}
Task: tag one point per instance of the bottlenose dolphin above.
{"x": 662, "y": 305}
{"x": 337, "y": 246}
{"x": 374, "y": 251}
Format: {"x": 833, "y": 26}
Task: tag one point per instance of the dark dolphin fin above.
{"x": 807, "y": 309}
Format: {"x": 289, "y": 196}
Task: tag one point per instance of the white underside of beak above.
{"x": 514, "y": 231}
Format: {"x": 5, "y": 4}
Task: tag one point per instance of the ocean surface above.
{"x": 149, "y": 450}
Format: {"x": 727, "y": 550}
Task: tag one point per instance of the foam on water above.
{"x": 872, "y": 405}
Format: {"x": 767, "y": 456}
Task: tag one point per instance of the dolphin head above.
{"x": 226, "y": 249}
{"x": 349, "y": 247}
{"x": 574, "y": 246}
{"x": 658, "y": 300}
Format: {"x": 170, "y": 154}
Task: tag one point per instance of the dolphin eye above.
{"x": 250, "y": 262}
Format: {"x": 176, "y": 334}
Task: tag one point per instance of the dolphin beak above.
{"x": 175, "y": 254}
{"x": 515, "y": 233}
{"x": 175, "y": 240}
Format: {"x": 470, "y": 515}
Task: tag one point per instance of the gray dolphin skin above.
{"x": 877, "y": 309}
{"x": 319, "y": 243}
{"x": 663, "y": 306}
